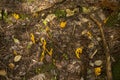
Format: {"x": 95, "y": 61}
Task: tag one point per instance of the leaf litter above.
{"x": 69, "y": 28}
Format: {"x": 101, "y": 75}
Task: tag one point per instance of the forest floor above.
{"x": 58, "y": 40}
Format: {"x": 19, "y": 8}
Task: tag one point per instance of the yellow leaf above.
{"x": 47, "y": 29}
{"x": 78, "y": 52}
{"x": 14, "y": 52}
{"x": 50, "y": 52}
{"x": 16, "y": 16}
{"x": 35, "y": 14}
{"x": 3, "y": 73}
{"x": 97, "y": 71}
{"x": 89, "y": 34}
{"x": 42, "y": 56}
{"x": 16, "y": 41}
{"x": 32, "y": 38}
{"x": 63, "y": 24}
{"x": 11, "y": 65}
{"x": 85, "y": 10}
{"x": 44, "y": 43}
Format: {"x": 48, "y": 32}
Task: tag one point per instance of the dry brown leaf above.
{"x": 17, "y": 58}
{"x": 3, "y": 72}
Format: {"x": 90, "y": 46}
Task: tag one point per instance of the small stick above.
{"x": 107, "y": 52}
{"x": 92, "y": 55}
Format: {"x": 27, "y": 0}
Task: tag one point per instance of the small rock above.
{"x": 98, "y": 62}
{"x": 11, "y": 65}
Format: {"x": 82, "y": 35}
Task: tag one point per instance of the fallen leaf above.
{"x": 50, "y": 17}
{"x": 47, "y": 29}
{"x": 91, "y": 45}
{"x": 14, "y": 52}
{"x": 11, "y": 65}
{"x": 39, "y": 77}
{"x": 84, "y": 32}
{"x": 16, "y": 41}
{"x": 50, "y": 52}
{"x": 29, "y": 45}
{"x": 89, "y": 35}
{"x": 85, "y": 10}
{"x": 32, "y": 37}
{"x": 16, "y": 16}
{"x": 45, "y": 22}
{"x": 17, "y": 58}
{"x": 42, "y": 56}
{"x": 97, "y": 71}
{"x": 43, "y": 41}
{"x": 78, "y": 52}
{"x": 69, "y": 12}
{"x": 3, "y": 73}
{"x": 35, "y": 15}
{"x": 63, "y": 24}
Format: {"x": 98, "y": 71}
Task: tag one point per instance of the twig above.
{"x": 93, "y": 54}
{"x": 107, "y": 52}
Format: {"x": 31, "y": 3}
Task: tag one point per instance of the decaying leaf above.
{"x": 47, "y": 29}
{"x": 14, "y": 52}
{"x": 89, "y": 35}
{"x": 91, "y": 45}
{"x": 45, "y": 22}
{"x": 17, "y": 58}
{"x": 29, "y": 45}
{"x": 3, "y": 73}
{"x": 50, "y": 17}
{"x": 32, "y": 37}
{"x": 69, "y": 12}
{"x": 38, "y": 77}
{"x": 63, "y": 24}
{"x": 35, "y": 14}
{"x": 78, "y": 52}
{"x": 97, "y": 71}
{"x": 85, "y": 10}
{"x": 11, "y": 65}
{"x": 16, "y": 41}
